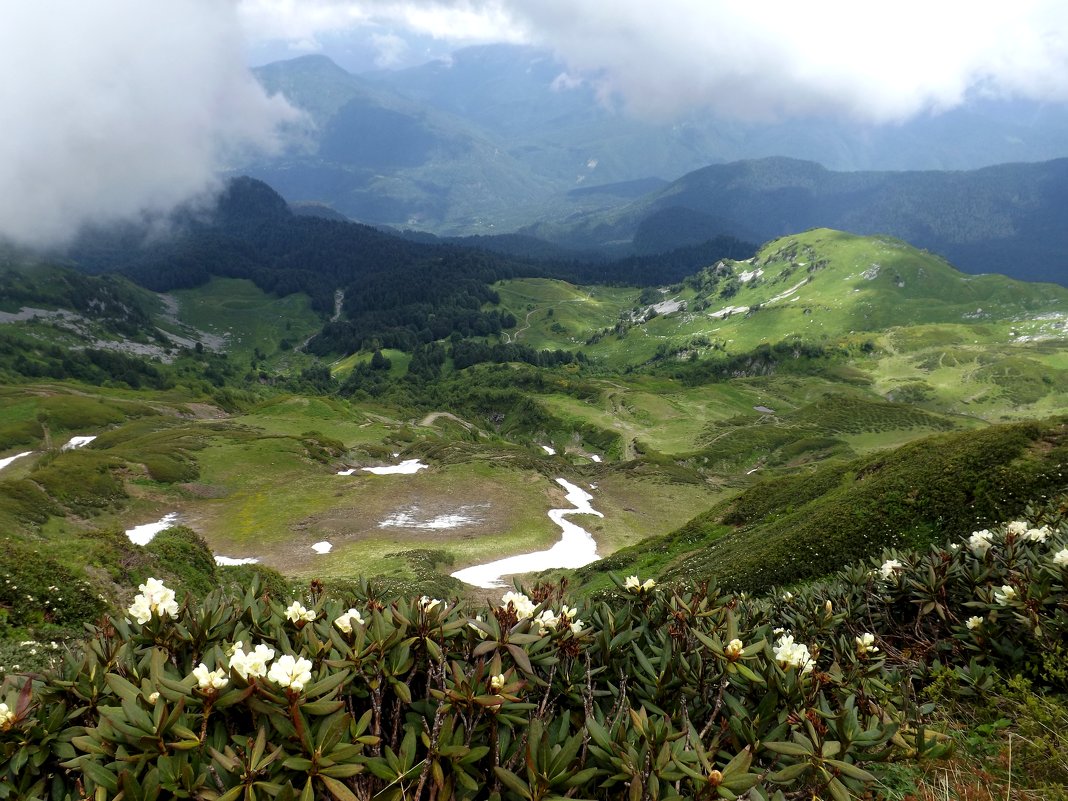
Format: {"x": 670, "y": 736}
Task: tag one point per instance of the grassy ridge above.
{"x": 800, "y": 527}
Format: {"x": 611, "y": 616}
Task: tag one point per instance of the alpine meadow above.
{"x": 432, "y": 400}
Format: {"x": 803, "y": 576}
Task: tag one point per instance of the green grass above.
{"x": 249, "y": 319}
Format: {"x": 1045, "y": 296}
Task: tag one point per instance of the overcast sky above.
{"x": 114, "y": 108}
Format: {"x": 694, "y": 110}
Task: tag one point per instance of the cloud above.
{"x": 763, "y": 59}
{"x": 390, "y": 49}
{"x": 116, "y": 109}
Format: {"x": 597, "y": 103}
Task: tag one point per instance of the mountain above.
{"x": 1006, "y": 218}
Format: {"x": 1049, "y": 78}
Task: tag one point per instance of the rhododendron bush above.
{"x": 651, "y": 692}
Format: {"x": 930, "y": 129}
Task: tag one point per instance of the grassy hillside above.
{"x": 796, "y": 528}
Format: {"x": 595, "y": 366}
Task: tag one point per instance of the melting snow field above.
{"x": 407, "y": 518}
{"x": 143, "y": 535}
{"x": 576, "y": 547}
{"x": 407, "y": 467}
{"x": 9, "y": 459}
{"x": 77, "y": 442}
{"x": 322, "y": 547}
{"x": 229, "y": 561}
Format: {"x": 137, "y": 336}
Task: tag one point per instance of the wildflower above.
{"x": 632, "y": 584}
{"x": 426, "y": 603}
{"x": 1017, "y": 527}
{"x": 253, "y": 664}
{"x": 546, "y": 620}
{"x": 954, "y": 546}
{"x": 1037, "y": 534}
{"x": 828, "y": 607}
{"x": 648, "y": 585}
{"x": 1061, "y": 558}
{"x": 297, "y": 613}
{"x": 153, "y": 698}
{"x": 973, "y": 622}
{"x": 290, "y": 672}
{"x": 570, "y": 612}
{"x": 787, "y": 596}
{"x": 577, "y": 626}
{"x": 497, "y": 683}
{"x": 210, "y": 679}
{"x": 980, "y": 542}
{"x": 7, "y": 717}
{"x": 345, "y": 621}
{"x": 154, "y": 597}
{"x": 791, "y": 654}
{"x": 778, "y": 630}
{"x": 889, "y": 567}
{"x": 734, "y": 649}
{"x": 521, "y": 604}
{"x": 1005, "y": 595}
{"x": 866, "y": 643}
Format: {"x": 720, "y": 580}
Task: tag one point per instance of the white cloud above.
{"x": 390, "y": 49}
{"x": 760, "y": 59}
{"x": 115, "y": 109}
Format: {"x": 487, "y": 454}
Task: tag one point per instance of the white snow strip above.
{"x": 77, "y": 442}
{"x": 229, "y": 561}
{"x": 407, "y": 518}
{"x": 787, "y": 293}
{"x": 548, "y": 450}
{"x": 407, "y": 467}
{"x": 322, "y": 547}
{"x": 727, "y": 312}
{"x": 144, "y": 534}
{"x": 9, "y": 459}
{"x": 576, "y": 547}
{"x": 749, "y": 275}
{"x": 667, "y": 306}
{"x": 595, "y": 457}
{"x": 348, "y": 472}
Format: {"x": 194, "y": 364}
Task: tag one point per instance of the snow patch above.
{"x": 229, "y": 561}
{"x": 788, "y": 292}
{"x": 576, "y": 547}
{"x": 595, "y": 457}
{"x": 749, "y": 275}
{"x": 407, "y": 467}
{"x": 727, "y": 312}
{"x": 322, "y": 547}
{"x": 348, "y": 472}
{"x": 9, "y": 459}
{"x": 145, "y": 533}
{"x": 77, "y": 442}
{"x": 408, "y": 518}
{"x": 548, "y": 450}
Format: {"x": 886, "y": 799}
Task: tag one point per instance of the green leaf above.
{"x": 851, "y": 770}
{"x": 514, "y": 783}
{"x": 337, "y": 789}
{"x": 790, "y": 749}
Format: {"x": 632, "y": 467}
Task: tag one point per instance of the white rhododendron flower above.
{"x": 210, "y": 679}
{"x": 787, "y": 596}
{"x": 290, "y": 672}
{"x": 153, "y": 698}
{"x": 973, "y": 622}
{"x": 1017, "y": 527}
{"x": 632, "y": 583}
{"x": 791, "y": 654}
{"x": 546, "y": 620}
{"x": 1005, "y": 595}
{"x": 1037, "y": 534}
{"x": 426, "y": 603}
{"x": 253, "y": 664}
{"x": 7, "y": 717}
{"x": 497, "y": 683}
{"x": 345, "y": 621}
{"x": 577, "y": 626}
{"x": 296, "y": 613}
{"x": 154, "y": 597}
{"x": 1061, "y": 558}
{"x": 866, "y": 643}
{"x": 648, "y": 585}
{"x": 523, "y": 606}
{"x": 889, "y": 567}
{"x": 734, "y": 648}
{"x": 980, "y": 541}
{"x": 569, "y": 612}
